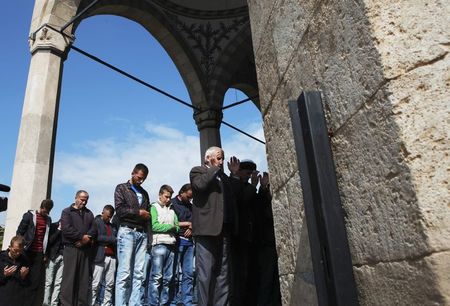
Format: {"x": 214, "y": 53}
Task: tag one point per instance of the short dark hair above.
{"x": 47, "y": 204}
{"x": 80, "y": 192}
{"x": 185, "y": 188}
{"x": 165, "y": 188}
{"x": 109, "y": 208}
{"x": 141, "y": 167}
{"x": 17, "y": 239}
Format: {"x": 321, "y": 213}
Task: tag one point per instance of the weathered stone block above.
{"x": 290, "y": 20}
{"x": 410, "y": 282}
{"x": 337, "y": 57}
{"x": 286, "y": 282}
{"x": 279, "y": 145}
{"x": 409, "y": 34}
{"x": 295, "y": 201}
{"x": 384, "y": 222}
{"x": 283, "y": 233}
{"x": 267, "y": 71}
{"x": 421, "y": 110}
{"x": 259, "y": 12}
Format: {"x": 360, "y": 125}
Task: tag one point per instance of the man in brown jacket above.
{"x": 132, "y": 208}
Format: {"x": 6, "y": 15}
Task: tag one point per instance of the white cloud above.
{"x": 169, "y": 154}
{"x": 243, "y": 147}
{"x": 163, "y": 131}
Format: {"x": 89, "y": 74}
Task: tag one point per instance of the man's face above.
{"x": 15, "y": 250}
{"x": 81, "y": 200}
{"x": 165, "y": 197}
{"x": 44, "y": 212}
{"x": 216, "y": 159}
{"x": 186, "y": 197}
{"x": 138, "y": 177}
{"x": 106, "y": 215}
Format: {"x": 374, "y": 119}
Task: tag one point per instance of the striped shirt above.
{"x": 37, "y": 244}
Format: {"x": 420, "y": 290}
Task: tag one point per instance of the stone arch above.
{"x": 139, "y": 12}
{"x": 33, "y": 167}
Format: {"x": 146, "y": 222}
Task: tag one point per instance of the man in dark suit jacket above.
{"x": 214, "y": 220}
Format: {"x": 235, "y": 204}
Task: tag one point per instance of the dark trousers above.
{"x": 212, "y": 265}
{"x": 269, "y": 284}
{"x": 75, "y": 284}
{"x": 35, "y": 291}
{"x": 244, "y": 277}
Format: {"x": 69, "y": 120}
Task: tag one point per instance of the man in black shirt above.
{"x": 78, "y": 234}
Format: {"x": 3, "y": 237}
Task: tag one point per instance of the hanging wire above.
{"x": 239, "y": 102}
{"x": 77, "y": 16}
{"x": 98, "y": 60}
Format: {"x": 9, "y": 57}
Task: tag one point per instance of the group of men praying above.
{"x": 211, "y": 244}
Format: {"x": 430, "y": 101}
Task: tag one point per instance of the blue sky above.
{"x": 107, "y": 123}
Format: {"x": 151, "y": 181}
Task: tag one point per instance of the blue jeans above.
{"x": 131, "y": 249}
{"x": 53, "y": 281}
{"x": 160, "y": 274}
{"x": 144, "y": 290}
{"x": 185, "y": 258}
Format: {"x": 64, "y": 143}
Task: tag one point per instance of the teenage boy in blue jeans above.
{"x": 165, "y": 229}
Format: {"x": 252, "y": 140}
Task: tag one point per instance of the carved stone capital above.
{"x": 209, "y": 118}
{"x": 48, "y": 38}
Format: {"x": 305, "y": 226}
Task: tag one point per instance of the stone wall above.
{"x": 384, "y": 72}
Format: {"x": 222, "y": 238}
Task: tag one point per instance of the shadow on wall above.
{"x": 303, "y": 291}
{"x": 336, "y": 54}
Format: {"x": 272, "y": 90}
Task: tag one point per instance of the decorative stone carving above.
{"x": 207, "y": 39}
{"x": 205, "y": 32}
{"x": 49, "y": 38}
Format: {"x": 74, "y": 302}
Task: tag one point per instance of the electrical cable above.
{"x": 112, "y": 67}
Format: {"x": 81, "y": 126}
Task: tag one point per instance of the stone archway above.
{"x": 194, "y": 37}
{"x": 383, "y": 71}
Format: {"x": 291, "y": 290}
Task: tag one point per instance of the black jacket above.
{"x": 27, "y": 229}
{"x": 248, "y": 210}
{"x": 183, "y": 212}
{"x": 103, "y": 239}
{"x": 55, "y": 245}
{"x": 75, "y": 223}
{"x": 12, "y": 288}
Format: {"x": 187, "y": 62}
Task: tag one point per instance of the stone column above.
{"x": 208, "y": 124}
{"x": 33, "y": 166}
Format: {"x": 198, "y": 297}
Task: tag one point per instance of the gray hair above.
{"x": 211, "y": 150}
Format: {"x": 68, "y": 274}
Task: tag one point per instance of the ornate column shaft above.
{"x": 33, "y": 166}
{"x": 208, "y": 124}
